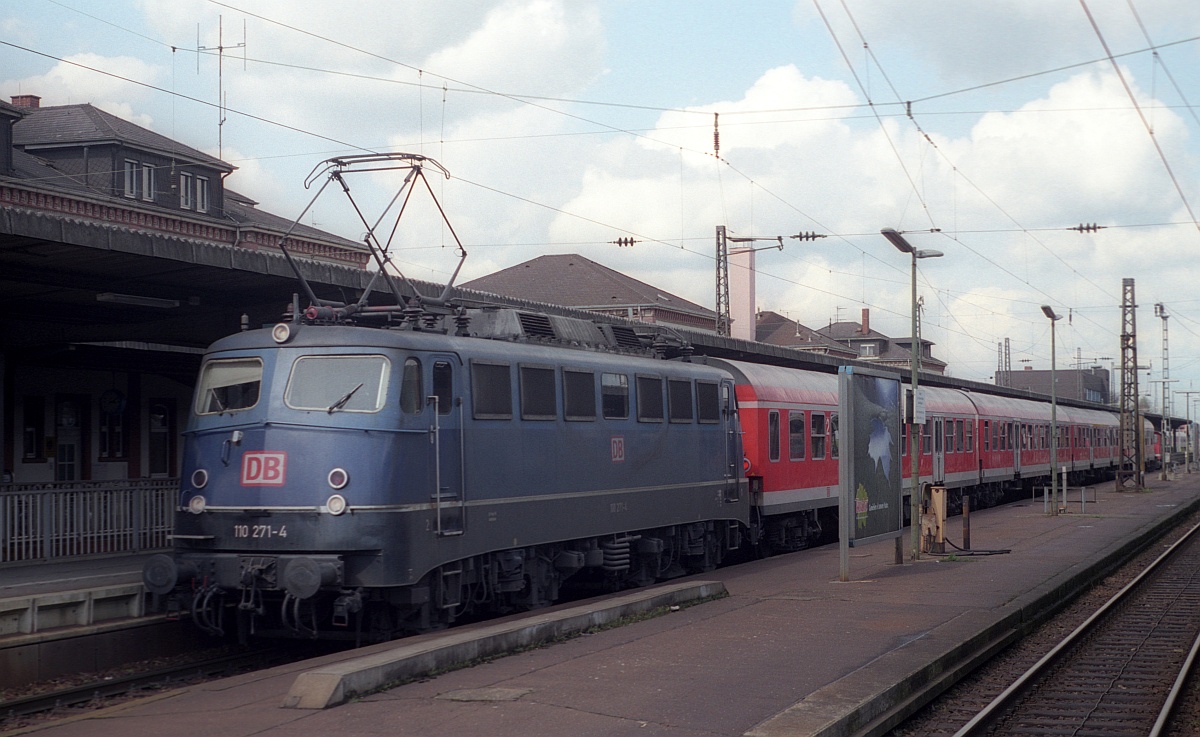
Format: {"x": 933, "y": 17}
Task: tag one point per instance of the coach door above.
{"x": 939, "y": 450}
{"x": 446, "y": 443}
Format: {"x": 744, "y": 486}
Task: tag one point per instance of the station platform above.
{"x": 790, "y": 650}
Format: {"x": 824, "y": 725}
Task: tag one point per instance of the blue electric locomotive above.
{"x": 365, "y": 482}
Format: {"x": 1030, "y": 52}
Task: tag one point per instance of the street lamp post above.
{"x": 1053, "y": 414}
{"x": 914, "y": 447}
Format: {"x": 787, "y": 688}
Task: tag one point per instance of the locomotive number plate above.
{"x": 259, "y": 531}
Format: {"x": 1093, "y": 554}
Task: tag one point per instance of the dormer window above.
{"x": 133, "y": 178}
{"x": 866, "y": 350}
{"x": 202, "y": 194}
{"x": 185, "y": 190}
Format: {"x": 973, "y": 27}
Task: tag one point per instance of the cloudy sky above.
{"x": 567, "y": 124}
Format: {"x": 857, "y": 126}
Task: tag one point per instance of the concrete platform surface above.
{"x": 790, "y": 651}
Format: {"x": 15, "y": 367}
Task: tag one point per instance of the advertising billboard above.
{"x": 869, "y": 403}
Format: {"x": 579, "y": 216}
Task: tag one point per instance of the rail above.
{"x": 53, "y": 521}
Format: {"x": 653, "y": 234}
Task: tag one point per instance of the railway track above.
{"x": 1120, "y": 671}
{"x": 104, "y": 688}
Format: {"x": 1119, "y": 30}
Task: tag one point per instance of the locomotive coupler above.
{"x": 350, "y": 602}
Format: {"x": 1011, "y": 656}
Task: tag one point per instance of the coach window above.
{"x": 796, "y": 439}
{"x": 960, "y": 436}
{"x": 579, "y": 395}
{"x": 614, "y": 393}
{"x": 708, "y": 402}
{"x": 985, "y": 436}
{"x": 970, "y": 441}
{"x": 538, "y": 399}
{"x": 834, "y": 434}
{"x": 679, "y": 400}
{"x": 649, "y": 399}
{"x": 949, "y": 435}
{"x": 412, "y": 397}
{"x": 818, "y": 435}
{"x": 927, "y": 437}
{"x": 443, "y": 386}
{"x": 773, "y": 435}
{"x": 904, "y": 438}
{"x": 491, "y": 391}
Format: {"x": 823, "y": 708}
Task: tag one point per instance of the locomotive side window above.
{"x": 338, "y": 383}
{"x": 708, "y": 402}
{"x": 491, "y": 390}
{"x": 412, "y": 397}
{"x": 579, "y": 395}
{"x": 796, "y": 439}
{"x": 773, "y": 435}
{"x": 818, "y": 435}
{"x": 679, "y": 400}
{"x": 649, "y": 399}
{"x": 834, "y": 435}
{"x": 443, "y": 386}
{"x": 614, "y": 389}
{"x": 538, "y": 399}
{"x": 228, "y": 385}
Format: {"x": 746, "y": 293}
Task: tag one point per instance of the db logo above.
{"x": 264, "y": 468}
{"x": 618, "y": 449}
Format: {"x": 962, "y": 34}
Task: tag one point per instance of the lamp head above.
{"x": 927, "y": 253}
{"x": 1048, "y": 312}
{"x": 897, "y": 240}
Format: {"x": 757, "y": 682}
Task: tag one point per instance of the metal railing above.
{"x": 52, "y": 521}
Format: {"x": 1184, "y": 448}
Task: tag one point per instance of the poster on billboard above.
{"x": 869, "y": 405}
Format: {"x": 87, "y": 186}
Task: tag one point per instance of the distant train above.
{"x": 355, "y": 482}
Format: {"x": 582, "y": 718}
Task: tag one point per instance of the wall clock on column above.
{"x": 112, "y": 402}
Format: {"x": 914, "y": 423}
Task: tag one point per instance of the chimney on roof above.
{"x": 26, "y": 101}
{"x": 1029, "y": 368}
{"x": 866, "y": 321}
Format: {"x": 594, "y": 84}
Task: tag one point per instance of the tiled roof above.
{"x": 241, "y": 210}
{"x": 84, "y": 124}
{"x": 570, "y": 280}
{"x": 775, "y": 329}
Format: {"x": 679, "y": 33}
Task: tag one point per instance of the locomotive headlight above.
{"x": 336, "y": 504}
{"x": 282, "y": 332}
{"x": 338, "y": 478}
{"x": 196, "y": 504}
{"x": 199, "y": 478}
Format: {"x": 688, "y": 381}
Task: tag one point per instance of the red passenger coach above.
{"x": 789, "y": 422}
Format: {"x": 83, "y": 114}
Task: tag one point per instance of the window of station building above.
{"x": 229, "y": 385}
{"x": 491, "y": 391}
{"x": 817, "y": 435}
{"x": 579, "y": 395}
{"x": 186, "y": 184}
{"x": 708, "y": 402}
{"x": 201, "y": 194}
{"x": 679, "y": 400}
{"x": 33, "y": 420}
{"x": 148, "y": 182}
{"x": 796, "y": 438}
{"x": 112, "y": 436}
{"x": 649, "y": 399}
{"x": 614, "y": 396}
{"x": 834, "y": 434}
{"x": 133, "y": 178}
{"x": 331, "y": 384}
{"x": 412, "y": 396}
{"x": 773, "y": 435}
{"x": 539, "y": 400}
{"x": 443, "y": 386}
